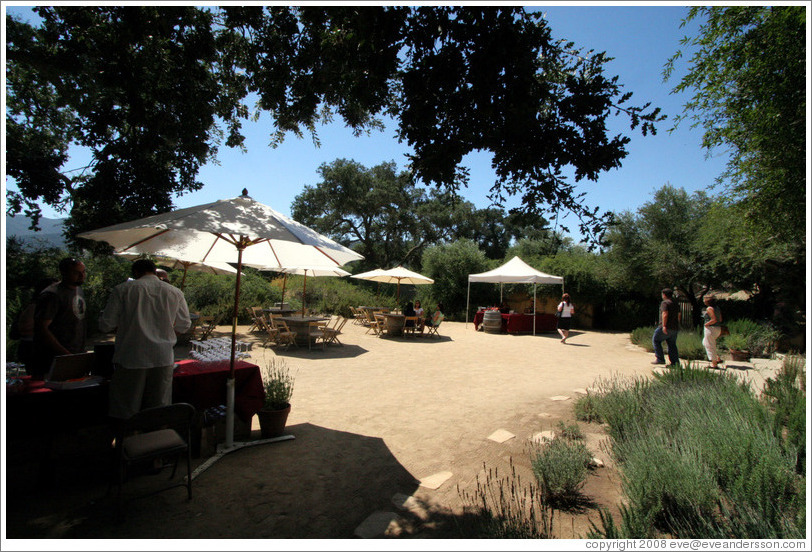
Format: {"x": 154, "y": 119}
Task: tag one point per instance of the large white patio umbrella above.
{"x": 213, "y": 232}
{"x": 394, "y": 275}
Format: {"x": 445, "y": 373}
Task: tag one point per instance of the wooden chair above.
{"x": 279, "y": 332}
{"x": 380, "y": 323}
{"x": 331, "y": 333}
{"x": 432, "y": 330}
{"x": 372, "y": 323}
{"x": 206, "y": 325}
{"x": 315, "y": 332}
{"x": 407, "y": 328}
{"x": 152, "y": 435}
{"x": 359, "y": 317}
{"x": 259, "y": 322}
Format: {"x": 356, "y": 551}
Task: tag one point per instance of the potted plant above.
{"x": 737, "y": 345}
{"x": 278, "y": 384}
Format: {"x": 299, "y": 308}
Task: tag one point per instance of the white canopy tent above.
{"x": 515, "y": 271}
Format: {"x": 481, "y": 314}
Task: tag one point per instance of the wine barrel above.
{"x": 492, "y": 321}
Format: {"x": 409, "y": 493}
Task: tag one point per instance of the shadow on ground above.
{"x": 322, "y": 484}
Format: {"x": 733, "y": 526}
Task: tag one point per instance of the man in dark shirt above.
{"x": 667, "y": 331}
{"x": 59, "y": 317}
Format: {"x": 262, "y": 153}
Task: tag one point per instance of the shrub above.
{"x": 571, "y": 432}
{"x": 689, "y": 343}
{"x": 561, "y": 467}
{"x": 785, "y": 394}
{"x": 506, "y": 508}
{"x": 761, "y": 339}
{"x": 586, "y": 409}
{"x": 277, "y": 381}
{"x": 700, "y": 459}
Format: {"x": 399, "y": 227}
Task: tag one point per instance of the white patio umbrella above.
{"x": 394, "y": 275}
{"x": 212, "y": 232}
{"x": 305, "y": 270}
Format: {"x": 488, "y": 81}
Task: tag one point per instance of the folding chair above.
{"x": 315, "y": 331}
{"x": 359, "y": 317}
{"x": 206, "y": 325}
{"x": 280, "y": 333}
{"x": 380, "y": 323}
{"x": 407, "y": 328}
{"x": 331, "y": 333}
{"x": 432, "y": 330}
{"x": 372, "y": 323}
{"x": 151, "y": 436}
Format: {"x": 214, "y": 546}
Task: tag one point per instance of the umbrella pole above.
{"x": 230, "y": 382}
{"x": 284, "y": 283}
{"x": 304, "y": 294}
{"x": 183, "y": 280}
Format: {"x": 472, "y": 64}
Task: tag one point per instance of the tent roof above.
{"x": 515, "y": 271}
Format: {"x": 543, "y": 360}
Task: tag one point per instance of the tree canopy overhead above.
{"x": 152, "y": 91}
{"x": 748, "y": 77}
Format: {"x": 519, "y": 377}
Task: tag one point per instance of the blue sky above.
{"x": 641, "y": 39}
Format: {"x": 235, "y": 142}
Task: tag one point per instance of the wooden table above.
{"x": 277, "y": 310}
{"x": 301, "y": 325}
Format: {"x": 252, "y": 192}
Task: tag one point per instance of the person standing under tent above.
{"x": 147, "y": 316}
{"x": 59, "y": 317}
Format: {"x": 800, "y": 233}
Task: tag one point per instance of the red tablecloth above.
{"x": 521, "y": 323}
{"x": 203, "y": 384}
{"x": 35, "y": 409}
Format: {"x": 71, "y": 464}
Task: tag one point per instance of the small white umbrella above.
{"x": 394, "y": 275}
{"x": 212, "y": 232}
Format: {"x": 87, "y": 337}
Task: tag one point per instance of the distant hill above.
{"x": 49, "y": 235}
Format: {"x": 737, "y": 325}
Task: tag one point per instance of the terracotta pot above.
{"x": 739, "y": 356}
{"x": 272, "y": 422}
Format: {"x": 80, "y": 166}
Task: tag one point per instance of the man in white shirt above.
{"x": 146, "y": 314}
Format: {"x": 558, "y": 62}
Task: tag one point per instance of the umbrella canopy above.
{"x": 239, "y": 227}
{"x": 394, "y": 275}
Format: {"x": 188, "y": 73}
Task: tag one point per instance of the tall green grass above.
{"x": 699, "y": 458}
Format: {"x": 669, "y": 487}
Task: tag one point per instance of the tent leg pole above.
{"x": 467, "y": 305}
{"x": 534, "y": 309}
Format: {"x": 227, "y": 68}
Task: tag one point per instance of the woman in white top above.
{"x": 418, "y": 311}
{"x": 565, "y": 319}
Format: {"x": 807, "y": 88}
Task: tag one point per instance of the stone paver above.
{"x": 379, "y": 524}
{"x": 434, "y": 481}
{"x": 501, "y": 435}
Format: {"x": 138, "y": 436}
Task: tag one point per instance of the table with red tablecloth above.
{"x": 203, "y": 384}
{"x": 521, "y": 323}
{"x": 35, "y": 409}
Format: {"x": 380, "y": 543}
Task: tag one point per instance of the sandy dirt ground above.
{"x": 371, "y": 420}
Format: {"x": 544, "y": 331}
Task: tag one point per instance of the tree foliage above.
{"x": 152, "y": 91}
{"x": 449, "y": 266}
{"x": 748, "y": 77}
{"x": 391, "y": 219}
